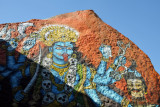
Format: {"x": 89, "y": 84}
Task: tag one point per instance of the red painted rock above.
{"x": 85, "y": 33}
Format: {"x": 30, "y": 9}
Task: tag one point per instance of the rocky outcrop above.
{"x": 93, "y": 32}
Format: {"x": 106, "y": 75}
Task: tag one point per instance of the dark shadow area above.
{"x": 17, "y": 71}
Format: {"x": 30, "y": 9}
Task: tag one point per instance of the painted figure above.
{"x": 62, "y": 75}
{"x": 62, "y": 79}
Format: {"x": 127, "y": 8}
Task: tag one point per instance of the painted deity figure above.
{"x": 63, "y": 76}
{"x": 69, "y": 75}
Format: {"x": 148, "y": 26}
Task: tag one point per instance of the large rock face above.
{"x": 73, "y": 59}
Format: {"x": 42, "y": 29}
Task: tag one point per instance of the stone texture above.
{"x": 93, "y": 33}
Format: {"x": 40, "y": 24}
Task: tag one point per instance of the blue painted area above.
{"x": 105, "y": 79}
{"x": 29, "y": 43}
{"x": 61, "y": 48}
{"x": 106, "y": 91}
{"x": 87, "y": 82}
{"x": 21, "y": 58}
{"x": 12, "y": 65}
{"x": 102, "y": 68}
{"x": 88, "y": 75}
{"x": 6, "y": 73}
{"x": 19, "y": 96}
{"x": 71, "y": 98}
{"x": 27, "y": 71}
{"x": 2, "y": 68}
{"x": 10, "y": 61}
{"x": 55, "y": 90}
{"x": 15, "y": 79}
{"x": 93, "y": 95}
{"x": 77, "y": 79}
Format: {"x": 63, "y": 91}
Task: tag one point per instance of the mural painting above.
{"x": 59, "y": 76}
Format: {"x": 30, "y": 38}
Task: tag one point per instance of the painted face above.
{"x": 63, "y": 50}
{"x": 136, "y": 88}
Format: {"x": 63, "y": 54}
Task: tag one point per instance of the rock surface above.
{"x": 92, "y": 33}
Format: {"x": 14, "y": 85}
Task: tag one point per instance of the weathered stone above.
{"x": 92, "y": 33}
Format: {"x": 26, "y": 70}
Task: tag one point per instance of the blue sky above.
{"x": 139, "y": 20}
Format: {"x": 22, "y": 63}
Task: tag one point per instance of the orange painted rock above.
{"x": 115, "y": 65}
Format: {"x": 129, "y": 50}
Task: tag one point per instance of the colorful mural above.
{"x": 58, "y": 75}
